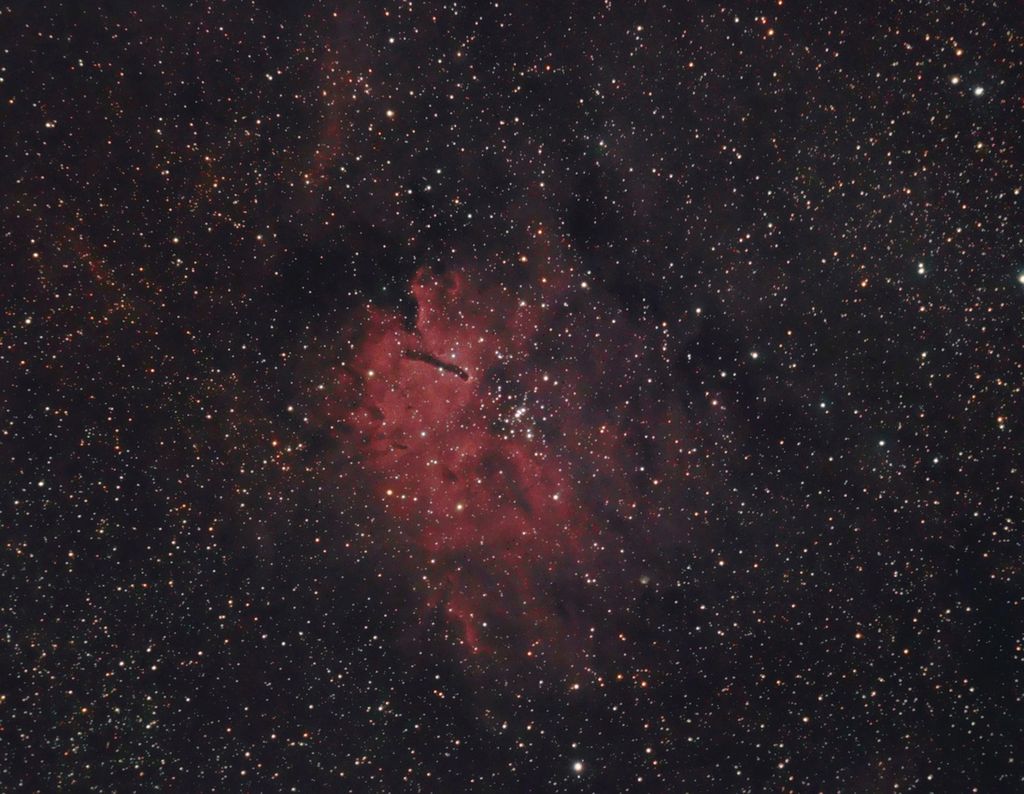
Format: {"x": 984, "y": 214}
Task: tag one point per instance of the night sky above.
{"x": 511, "y": 397}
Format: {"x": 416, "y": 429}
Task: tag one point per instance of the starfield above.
{"x": 511, "y": 397}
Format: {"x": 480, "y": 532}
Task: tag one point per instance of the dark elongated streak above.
{"x": 434, "y": 361}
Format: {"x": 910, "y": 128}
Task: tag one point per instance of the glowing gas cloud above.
{"x": 509, "y": 435}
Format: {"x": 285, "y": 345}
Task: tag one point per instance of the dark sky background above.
{"x": 511, "y": 397}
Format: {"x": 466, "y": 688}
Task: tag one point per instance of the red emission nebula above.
{"x": 516, "y": 439}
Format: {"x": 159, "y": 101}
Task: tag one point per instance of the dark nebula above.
{"x": 434, "y": 361}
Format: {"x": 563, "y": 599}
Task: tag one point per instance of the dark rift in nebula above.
{"x": 514, "y": 485}
{"x": 434, "y": 361}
